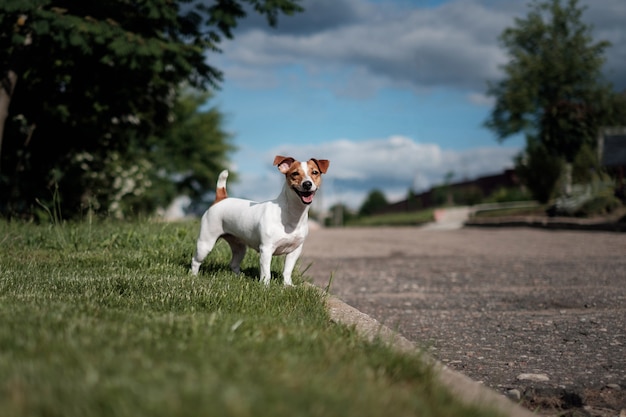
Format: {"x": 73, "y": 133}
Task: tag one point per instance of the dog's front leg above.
{"x": 290, "y": 263}
{"x": 265, "y": 255}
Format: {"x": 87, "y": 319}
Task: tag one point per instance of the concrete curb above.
{"x": 464, "y": 388}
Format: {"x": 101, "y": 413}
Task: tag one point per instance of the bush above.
{"x": 599, "y": 205}
{"x": 507, "y": 194}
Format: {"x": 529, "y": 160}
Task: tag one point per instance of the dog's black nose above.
{"x": 307, "y": 185}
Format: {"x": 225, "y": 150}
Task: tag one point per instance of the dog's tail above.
{"x": 220, "y": 191}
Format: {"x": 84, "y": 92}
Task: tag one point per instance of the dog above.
{"x": 275, "y": 227}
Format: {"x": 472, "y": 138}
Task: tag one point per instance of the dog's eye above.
{"x": 295, "y": 174}
{"x": 315, "y": 172}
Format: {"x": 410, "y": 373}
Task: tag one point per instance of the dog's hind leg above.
{"x": 238, "y": 248}
{"x": 203, "y": 247}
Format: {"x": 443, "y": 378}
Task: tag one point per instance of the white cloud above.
{"x": 386, "y": 45}
{"x": 393, "y": 165}
{"x": 416, "y": 48}
{"x": 389, "y": 158}
{"x": 481, "y": 99}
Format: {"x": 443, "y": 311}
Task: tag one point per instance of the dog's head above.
{"x": 304, "y": 178}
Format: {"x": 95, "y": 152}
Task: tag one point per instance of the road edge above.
{"x": 461, "y": 386}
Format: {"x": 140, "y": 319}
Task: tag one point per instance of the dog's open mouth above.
{"x": 305, "y": 196}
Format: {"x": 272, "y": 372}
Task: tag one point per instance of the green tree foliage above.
{"x": 538, "y": 169}
{"x": 375, "y": 201}
{"x": 184, "y": 158}
{"x": 553, "y": 90}
{"x": 189, "y": 153}
{"x": 87, "y": 86}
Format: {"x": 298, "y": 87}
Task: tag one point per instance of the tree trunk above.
{"x": 6, "y": 92}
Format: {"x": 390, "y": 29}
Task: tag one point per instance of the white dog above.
{"x": 276, "y": 227}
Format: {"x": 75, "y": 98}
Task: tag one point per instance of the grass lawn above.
{"x": 104, "y": 319}
{"x": 539, "y": 211}
{"x": 411, "y": 218}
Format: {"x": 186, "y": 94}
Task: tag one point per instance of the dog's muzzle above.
{"x": 306, "y": 195}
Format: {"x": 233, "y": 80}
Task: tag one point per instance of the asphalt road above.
{"x": 536, "y": 315}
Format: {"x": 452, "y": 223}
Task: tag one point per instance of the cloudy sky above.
{"x": 392, "y": 92}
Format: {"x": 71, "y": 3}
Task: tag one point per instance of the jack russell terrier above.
{"x": 276, "y": 227}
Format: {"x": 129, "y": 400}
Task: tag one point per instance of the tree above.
{"x": 189, "y": 153}
{"x": 539, "y": 170}
{"x": 184, "y": 158}
{"x": 83, "y": 79}
{"x": 375, "y": 201}
{"x": 553, "y": 90}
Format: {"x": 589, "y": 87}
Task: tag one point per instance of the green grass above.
{"x": 539, "y": 211}
{"x": 104, "y": 320}
{"x": 412, "y": 218}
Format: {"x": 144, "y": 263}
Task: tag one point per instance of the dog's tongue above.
{"x": 307, "y": 198}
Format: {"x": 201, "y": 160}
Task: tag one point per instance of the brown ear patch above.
{"x": 283, "y": 163}
{"x": 322, "y": 164}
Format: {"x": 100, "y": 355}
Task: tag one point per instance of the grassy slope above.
{"x": 411, "y": 218}
{"x": 104, "y": 320}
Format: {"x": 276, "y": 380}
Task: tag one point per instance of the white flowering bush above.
{"x": 113, "y": 183}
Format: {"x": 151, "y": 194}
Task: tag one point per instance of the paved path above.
{"x": 507, "y": 307}
{"x": 449, "y": 218}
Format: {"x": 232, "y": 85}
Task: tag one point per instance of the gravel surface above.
{"x": 537, "y": 315}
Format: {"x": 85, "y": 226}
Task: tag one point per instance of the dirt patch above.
{"x": 539, "y": 316}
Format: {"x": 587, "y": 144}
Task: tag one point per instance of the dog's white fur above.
{"x": 276, "y": 227}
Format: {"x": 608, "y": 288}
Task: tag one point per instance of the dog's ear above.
{"x": 283, "y": 163}
{"x": 322, "y": 164}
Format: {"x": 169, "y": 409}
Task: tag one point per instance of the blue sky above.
{"x": 392, "y": 92}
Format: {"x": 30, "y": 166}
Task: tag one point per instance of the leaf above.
{"x": 40, "y": 27}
